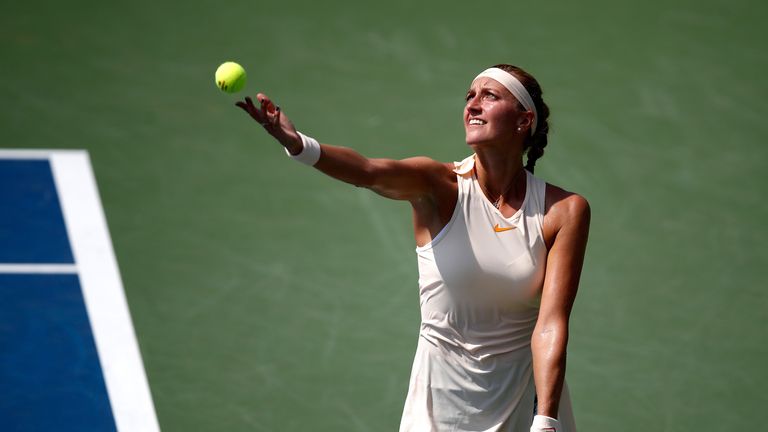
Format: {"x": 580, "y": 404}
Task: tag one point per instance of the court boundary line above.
{"x": 101, "y": 284}
{"x": 41, "y": 154}
{"x": 13, "y": 268}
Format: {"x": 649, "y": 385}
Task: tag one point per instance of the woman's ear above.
{"x": 525, "y": 121}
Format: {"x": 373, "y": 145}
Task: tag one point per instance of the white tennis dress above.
{"x": 480, "y": 282}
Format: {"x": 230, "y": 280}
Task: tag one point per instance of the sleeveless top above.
{"x": 480, "y": 282}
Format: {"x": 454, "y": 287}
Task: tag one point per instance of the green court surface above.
{"x": 267, "y": 297}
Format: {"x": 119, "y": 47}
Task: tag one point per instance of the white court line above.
{"x": 103, "y": 293}
{"x": 38, "y": 268}
{"x": 33, "y": 154}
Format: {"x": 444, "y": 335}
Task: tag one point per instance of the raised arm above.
{"x": 408, "y": 179}
{"x": 568, "y": 224}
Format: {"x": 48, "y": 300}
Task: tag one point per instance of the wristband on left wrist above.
{"x": 310, "y": 154}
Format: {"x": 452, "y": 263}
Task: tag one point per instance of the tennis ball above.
{"x": 230, "y": 77}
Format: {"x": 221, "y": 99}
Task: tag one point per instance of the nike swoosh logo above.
{"x": 497, "y": 228}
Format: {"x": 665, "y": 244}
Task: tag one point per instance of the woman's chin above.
{"x": 474, "y": 140}
{"x": 487, "y": 140}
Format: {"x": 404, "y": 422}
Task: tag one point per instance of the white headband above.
{"x": 515, "y": 87}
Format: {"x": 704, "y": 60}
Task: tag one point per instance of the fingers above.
{"x": 269, "y": 110}
{"x": 249, "y": 103}
{"x": 267, "y": 106}
{"x": 268, "y": 114}
{"x": 246, "y": 105}
{"x": 251, "y": 109}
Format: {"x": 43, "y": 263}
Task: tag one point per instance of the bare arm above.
{"x": 564, "y": 263}
{"x": 408, "y": 179}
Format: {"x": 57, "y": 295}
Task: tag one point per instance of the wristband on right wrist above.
{"x": 545, "y": 424}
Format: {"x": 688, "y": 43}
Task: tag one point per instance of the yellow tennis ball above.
{"x": 230, "y": 77}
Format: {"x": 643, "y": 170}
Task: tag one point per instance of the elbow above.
{"x": 551, "y": 330}
{"x": 550, "y": 339}
{"x": 367, "y": 177}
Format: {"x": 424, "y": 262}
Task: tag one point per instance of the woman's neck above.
{"x": 497, "y": 169}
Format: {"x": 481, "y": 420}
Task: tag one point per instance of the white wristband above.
{"x": 545, "y": 424}
{"x": 310, "y": 154}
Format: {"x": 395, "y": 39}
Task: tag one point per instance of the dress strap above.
{"x": 537, "y": 203}
{"x": 464, "y": 168}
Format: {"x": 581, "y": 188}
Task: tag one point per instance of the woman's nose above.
{"x": 473, "y": 105}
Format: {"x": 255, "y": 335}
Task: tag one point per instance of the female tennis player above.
{"x": 499, "y": 254}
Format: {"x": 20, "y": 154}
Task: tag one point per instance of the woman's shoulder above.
{"x": 439, "y": 167}
{"x": 561, "y": 200}
{"x": 565, "y": 208}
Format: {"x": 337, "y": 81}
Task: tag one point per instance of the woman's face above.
{"x": 492, "y": 114}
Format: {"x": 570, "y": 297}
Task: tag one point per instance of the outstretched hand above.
{"x": 273, "y": 120}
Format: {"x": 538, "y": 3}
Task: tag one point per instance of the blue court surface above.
{"x": 69, "y": 360}
{"x": 33, "y": 228}
{"x": 51, "y": 374}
